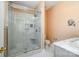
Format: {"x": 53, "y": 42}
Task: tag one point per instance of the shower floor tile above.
{"x": 45, "y": 53}
{"x": 48, "y": 52}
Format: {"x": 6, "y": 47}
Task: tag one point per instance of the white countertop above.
{"x": 65, "y": 44}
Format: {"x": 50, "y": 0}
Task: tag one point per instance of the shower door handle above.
{"x": 2, "y": 49}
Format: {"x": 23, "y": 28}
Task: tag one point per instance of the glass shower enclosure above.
{"x": 24, "y": 31}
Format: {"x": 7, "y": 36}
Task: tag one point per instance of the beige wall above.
{"x": 46, "y": 24}
{"x": 57, "y": 20}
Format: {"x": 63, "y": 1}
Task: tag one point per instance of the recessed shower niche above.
{"x": 24, "y": 30}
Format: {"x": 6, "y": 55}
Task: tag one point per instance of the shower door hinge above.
{"x": 2, "y": 49}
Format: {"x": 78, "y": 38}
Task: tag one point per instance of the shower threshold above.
{"x": 28, "y": 54}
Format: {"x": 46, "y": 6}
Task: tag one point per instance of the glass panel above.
{"x": 24, "y": 32}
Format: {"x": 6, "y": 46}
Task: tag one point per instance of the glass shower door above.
{"x": 24, "y": 35}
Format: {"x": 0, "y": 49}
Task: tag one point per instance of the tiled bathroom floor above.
{"x": 48, "y": 52}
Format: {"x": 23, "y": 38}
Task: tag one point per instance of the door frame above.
{"x": 41, "y": 6}
{"x": 6, "y": 27}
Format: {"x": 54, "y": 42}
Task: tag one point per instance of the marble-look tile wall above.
{"x": 25, "y": 32}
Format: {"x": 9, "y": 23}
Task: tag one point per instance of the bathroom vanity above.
{"x": 66, "y": 48}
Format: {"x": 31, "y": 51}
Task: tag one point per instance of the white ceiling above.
{"x": 34, "y": 4}
{"x": 49, "y": 4}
